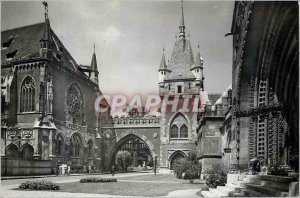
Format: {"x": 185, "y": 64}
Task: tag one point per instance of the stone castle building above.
{"x": 181, "y": 77}
{"x": 47, "y": 117}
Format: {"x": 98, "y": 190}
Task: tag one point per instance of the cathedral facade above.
{"x": 48, "y": 117}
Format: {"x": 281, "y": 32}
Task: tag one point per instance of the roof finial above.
{"x": 94, "y": 47}
{"x": 198, "y": 46}
{"x": 163, "y": 49}
{"x": 46, "y": 9}
{"x": 182, "y": 27}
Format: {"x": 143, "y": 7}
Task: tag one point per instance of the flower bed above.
{"x": 97, "y": 180}
{"x": 39, "y": 185}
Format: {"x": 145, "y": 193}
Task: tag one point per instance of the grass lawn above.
{"x": 158, "y": 177}
{"x": 142, "y": 188}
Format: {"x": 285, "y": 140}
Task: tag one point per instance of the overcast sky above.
{"x": 130, "y": 36}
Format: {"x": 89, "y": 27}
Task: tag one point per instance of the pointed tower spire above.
{"x": 182, "y": 27}
{"x": 163, "y": 64}
{"x": 94, "y": 68}
{"x": 46, "y": 40}
{"x": 198, "y": 58}
{"x": 94, "y": 61}
{"x": 47, "y": 29}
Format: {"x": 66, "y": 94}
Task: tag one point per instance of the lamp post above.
{"x": 155, "y": 164}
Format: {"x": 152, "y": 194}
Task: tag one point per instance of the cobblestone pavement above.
{"x": 8, "y": 187}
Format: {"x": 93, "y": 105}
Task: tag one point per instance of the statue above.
{"x": 254, "y": 165}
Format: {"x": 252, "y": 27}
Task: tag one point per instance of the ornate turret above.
{"x": 46, "y": 40}
{"x": 163, "y": 69}
{"x": 197, "y": 68}
{"x": 94, "y": 68}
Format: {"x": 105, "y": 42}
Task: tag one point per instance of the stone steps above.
{"x": 224, "y": 189}
{"x": 265, "y": 189}
{"x": 207, "y": 194}
{"x": 253, "y": 186}
{"x": 251, "y": 193}
{"x": 217, "y": 193}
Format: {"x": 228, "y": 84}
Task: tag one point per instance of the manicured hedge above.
{"x": 97, "y": 180}
{"x": 39, "y": 185}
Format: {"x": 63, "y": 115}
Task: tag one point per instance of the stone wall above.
{"x": 12, "y": 167}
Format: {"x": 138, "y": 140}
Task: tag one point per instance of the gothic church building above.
{"x": 47, "y": 104}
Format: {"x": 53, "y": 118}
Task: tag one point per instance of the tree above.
{"x": 123, "y": 159}
{"x": 190, "y": 166}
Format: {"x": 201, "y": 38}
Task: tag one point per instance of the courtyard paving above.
{"x": 9, "y": 187}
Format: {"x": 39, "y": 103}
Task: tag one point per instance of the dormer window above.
{"x": 12, "y": 54}
{"x": 7, "y": 43}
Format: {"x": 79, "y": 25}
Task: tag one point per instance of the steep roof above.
{"x": 181, "y": 60}
{"x": 26, "y": 44}
{"x": 163, "y": 65}
{"x": 213, "y": 97}
{"x": 198, "y": 61}
{"x": 25, "y": 39}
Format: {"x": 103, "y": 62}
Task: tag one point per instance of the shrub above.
{"x": 39, "y": 185}
{"x": 280, "y": 170}
{"x": 216, "y": 178}
{"x": 97, "y": 180}
{"x": 124, "y": 159}
{"x": 188, "y": 165}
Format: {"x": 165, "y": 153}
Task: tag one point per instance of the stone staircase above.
{"x": 255, "y": 186}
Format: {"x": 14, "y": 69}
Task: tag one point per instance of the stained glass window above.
{"x": 74, "y": 105}
{"x": 27, "y": 99}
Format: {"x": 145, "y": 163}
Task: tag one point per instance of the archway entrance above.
{"x": 131, "y": 152}
{"x": 176, "y": 156}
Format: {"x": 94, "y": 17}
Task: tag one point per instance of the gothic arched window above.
{"x": 74, "y": 108}
{"x": 27, "y": 99}
{"x": 174, "y": 131}
{"x": 59, "y": 145}
{"x": 76, "y": 145}
{"x": 90, "y": 149}
{"x": 179, "y": 129}
{"x": 12, "y": 151}
{"x": 184, "y": 131}
{"x": 27, "y": 152}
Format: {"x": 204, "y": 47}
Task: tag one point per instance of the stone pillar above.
{"x": 52, "y": 143}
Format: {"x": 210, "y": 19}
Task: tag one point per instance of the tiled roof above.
{"x": 26, "y": 41}
{"x": 213, "y": 97}
{"x": 181, "y": 60}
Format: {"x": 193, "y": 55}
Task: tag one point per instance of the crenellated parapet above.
{"x": 136, "y": 121}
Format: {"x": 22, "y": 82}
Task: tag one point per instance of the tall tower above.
{"x": 182, "y": 75}
{"x": 181, "y": 78}
{"x": 94, "y": 68}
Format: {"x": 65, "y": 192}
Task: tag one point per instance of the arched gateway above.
{"x": 138, "y": 135}
{"x": 140, "y": 148}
